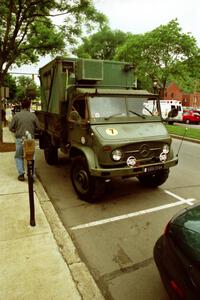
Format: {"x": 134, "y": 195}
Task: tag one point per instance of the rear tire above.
{"x": 154, "y": 179}
{"x": 50, "y": 151}
{"x": 88, "y": 188}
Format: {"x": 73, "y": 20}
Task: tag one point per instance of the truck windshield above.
{"x": 110, "y": 107}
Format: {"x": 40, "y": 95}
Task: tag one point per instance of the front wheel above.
{"x": 86, "y": 186}
{"x": 170, "y": 122}
{"x": 154, "y": 179}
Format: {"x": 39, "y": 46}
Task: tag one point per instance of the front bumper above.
{"x": 132, "y": 171}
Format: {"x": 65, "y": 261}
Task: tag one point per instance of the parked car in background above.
{"x": 191, "y": 116}
{"x": 177, "y": 255}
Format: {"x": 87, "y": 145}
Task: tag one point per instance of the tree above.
{"x": 26, "y": 88}
{"x": 161, "y": 54}
{"x": 101, "y": 45}
{"x": 10, "y": 82}
{"x": 190, "y": 81}
{"x": 27, "y": 30}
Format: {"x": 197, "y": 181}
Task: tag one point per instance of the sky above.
{"x": 140, "y": 16}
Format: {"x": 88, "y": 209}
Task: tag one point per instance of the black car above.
{"x": 177, "y": 255}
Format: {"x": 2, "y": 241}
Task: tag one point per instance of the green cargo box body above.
{"x": 60, "y": 74}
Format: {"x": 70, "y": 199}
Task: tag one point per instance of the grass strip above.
{"x": 193, "y": 133}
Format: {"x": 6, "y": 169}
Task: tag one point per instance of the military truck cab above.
{"x": 93, "y": 112}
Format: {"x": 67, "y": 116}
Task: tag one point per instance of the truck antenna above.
{"x": 186, "y": 129}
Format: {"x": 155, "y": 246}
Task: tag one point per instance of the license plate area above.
{"x": 153, "y": 168}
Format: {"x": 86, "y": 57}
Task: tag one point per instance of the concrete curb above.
{"x": 85, "y": 283}
{"x": 185, "y": 138}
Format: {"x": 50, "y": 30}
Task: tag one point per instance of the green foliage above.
{"x": 193, "y": 133}
{"x": 10, "y": 82}
{"x": 26, "y": 88}
{"x": 101, "y": 45}
{"x": 81, "y": 16}
{"x": 161, "y": 54}
{"x": 191, "y": 79}
{"x": 27, "y": 28}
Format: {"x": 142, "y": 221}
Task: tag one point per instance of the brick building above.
{"x": 172, "y": 91}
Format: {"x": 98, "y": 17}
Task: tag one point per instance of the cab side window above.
{"x": 80, "y": 106}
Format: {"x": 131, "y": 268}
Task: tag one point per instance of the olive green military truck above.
{"x": 93, "y": 112}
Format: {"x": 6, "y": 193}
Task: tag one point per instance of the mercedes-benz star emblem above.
{"x": 144, "y": 150}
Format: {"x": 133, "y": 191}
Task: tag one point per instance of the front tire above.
{"x": 154, "y": 179}
{"x": 88, "y": 188}
{"x": 170, "y": 122}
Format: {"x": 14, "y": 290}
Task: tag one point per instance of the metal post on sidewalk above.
{"x": 31, "y": 193}
{"x": 29, "y": 150}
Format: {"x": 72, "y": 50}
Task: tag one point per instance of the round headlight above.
{"x": 166, "y": 149}
{"x": 116, "y": 155}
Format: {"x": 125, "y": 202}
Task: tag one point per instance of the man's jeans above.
{"x": 19, "y": 157}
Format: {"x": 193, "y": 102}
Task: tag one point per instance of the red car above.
{"x": 191, "y": 116}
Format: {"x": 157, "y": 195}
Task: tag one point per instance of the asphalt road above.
{"x": 115, "y": 237}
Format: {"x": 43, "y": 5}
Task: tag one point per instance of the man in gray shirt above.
{"x": 22, "y": 122}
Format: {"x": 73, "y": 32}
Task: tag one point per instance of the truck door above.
{"x": 78, "y": 119}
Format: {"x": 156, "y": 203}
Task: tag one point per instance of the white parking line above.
{"x": 137, "y": 213}
{"x": 187, "y": 201}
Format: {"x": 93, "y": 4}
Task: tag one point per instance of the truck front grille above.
{"x": 145, "y": 153}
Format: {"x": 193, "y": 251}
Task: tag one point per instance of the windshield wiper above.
{"x": 107, "y": 118}
{"x": 135, "y": 113}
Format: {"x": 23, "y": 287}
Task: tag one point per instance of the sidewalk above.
{"x": 39, "y": 262}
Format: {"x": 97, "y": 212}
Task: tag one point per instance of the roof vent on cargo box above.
{"x": 87, "y": 69}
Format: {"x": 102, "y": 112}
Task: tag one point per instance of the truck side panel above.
{"x": 53, "y": 86}
{"x": 57, "y": 76}
{"x": 54, "y": 125}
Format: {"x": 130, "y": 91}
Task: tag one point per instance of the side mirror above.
{"x": 173, "y": 113}
{"x": 74, "y": 116}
